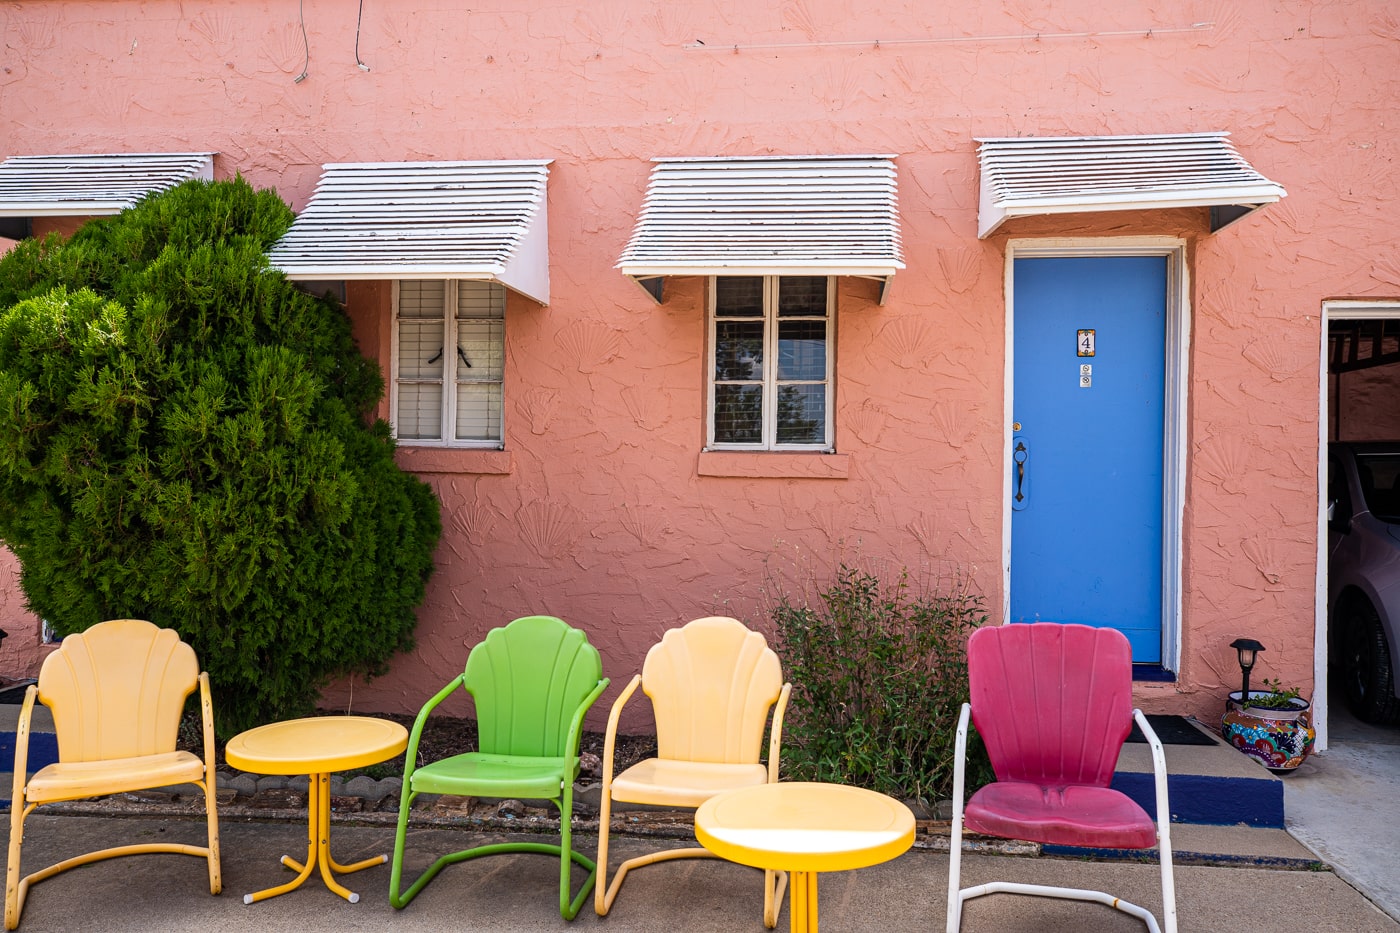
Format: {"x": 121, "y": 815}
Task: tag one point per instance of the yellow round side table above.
{"x": 316, "y": 747}
{"x": 804, "y": 828}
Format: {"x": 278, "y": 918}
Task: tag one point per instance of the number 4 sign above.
{"x": 1084, "y": 341}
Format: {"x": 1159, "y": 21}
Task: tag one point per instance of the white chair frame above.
{"x": 958, "y": 895}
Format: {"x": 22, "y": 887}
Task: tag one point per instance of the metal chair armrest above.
{"x": 610, "y": 737}
{"x": 410, "y": 759}
{"x": 576, "y": 723}
{"x": 26, "y": 714}
{"x": 775, "y": 739}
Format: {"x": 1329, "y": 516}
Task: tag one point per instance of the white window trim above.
{"x": 449, "y": 400}
{"x": 1174, "y": 443}
{"x": 770, "y": 372}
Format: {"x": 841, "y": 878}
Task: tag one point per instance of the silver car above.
{"x": 1363, "y": 575}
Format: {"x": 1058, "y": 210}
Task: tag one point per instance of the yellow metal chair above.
{"x": 712, "y": 683}
{"x": 117, "y": 693}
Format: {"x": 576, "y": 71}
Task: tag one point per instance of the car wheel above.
{"x": 1367, "y": 679}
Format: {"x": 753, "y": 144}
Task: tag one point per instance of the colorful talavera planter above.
{"x": 1279, "y": 738}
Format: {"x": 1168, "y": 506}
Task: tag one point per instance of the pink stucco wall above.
{"x": 20, "y": 652}
{"x": 601, "y": 508}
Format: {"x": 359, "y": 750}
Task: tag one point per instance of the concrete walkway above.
{"x": 169, "y": 893}
{"x": 1344, "y": 805}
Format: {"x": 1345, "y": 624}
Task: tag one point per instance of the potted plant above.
{"x": 1272, "y": 724}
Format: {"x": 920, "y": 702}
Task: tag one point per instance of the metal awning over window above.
{"x": 778, "y": 215}
{"x": 1075, "y": 174}
{"x": 481, "y": 221}
{"x": 92, "y": 185}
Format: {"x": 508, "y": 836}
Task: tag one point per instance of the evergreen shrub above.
{"x": 879, "y": 675}
{"x": 185, "y": 437}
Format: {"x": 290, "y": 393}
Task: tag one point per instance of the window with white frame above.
{"x": 449, "y": 362}
{"x": 770, "y": 373}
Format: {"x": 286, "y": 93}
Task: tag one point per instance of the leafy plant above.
{"x": 1273, "y": 695}
{"x": 185, "y": 438}
{"x": 879, "y": 674}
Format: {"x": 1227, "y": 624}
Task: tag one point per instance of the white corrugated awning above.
{"x": 1023, "y": 177}
{"x": 768, "y": 215}
{"x": 424, "y": 220}
{"x": 93, "y": 185}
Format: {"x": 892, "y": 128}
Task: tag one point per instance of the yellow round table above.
{"x": 804, "y": 828}
{"x": 316, "y": 747}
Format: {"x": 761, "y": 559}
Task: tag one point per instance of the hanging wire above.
{"x": 306, "y": 43}
{"x": 358, "y": 20}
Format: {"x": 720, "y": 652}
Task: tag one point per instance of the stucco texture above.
{"x": 601, "y": 507}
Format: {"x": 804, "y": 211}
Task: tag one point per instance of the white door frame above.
{"x": 1339, "y": 310}
{"x": 1178, "y": 339}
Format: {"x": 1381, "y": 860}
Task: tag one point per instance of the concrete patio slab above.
{"x": 518, "y": 892}
{"x": 1344, "y": 804}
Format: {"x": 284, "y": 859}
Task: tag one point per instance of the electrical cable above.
{"x": 358, "y": 20}
{"x": 306, "y": 43}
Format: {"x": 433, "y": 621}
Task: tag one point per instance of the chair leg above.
{"x": 397, "y": 899}
{"x": 211, "y": 803}
{"x": 566, "y": 865}
{"x": 569, "y": 907}
{"x": 775, "y": 882}
{"x": 1164, "y": 822}
{"x": 955, "y": 837}
{"x": 211, "y": 815}
{"x": 1070, "y": 894}
{"x": 14, "y": 890}
{"x": 602, "y": 897}
{"x": 1168, "y": 889}
{"x": 774, "y": 885}
{"x": 15, "y": 886}
{"x": 955, "y": 873}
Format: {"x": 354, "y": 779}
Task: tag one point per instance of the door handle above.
{"x": 1020, "y": 455}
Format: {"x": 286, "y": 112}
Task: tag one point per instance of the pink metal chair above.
{"x": 1053, "y": 704}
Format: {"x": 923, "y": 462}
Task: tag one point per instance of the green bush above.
{"x": 185, "y": 438}
{"x": 879, "y": 675}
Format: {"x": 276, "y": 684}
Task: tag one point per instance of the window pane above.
{"x": 802, "y": 350}
{"x": 738, "y": 414}
{"x": 481, "y": 299}
{"x": 421, "y": 298}
{"x": 420, "y": 412}
{"x": 802, "y": 414}
{"x": 481, "y": 350}
{"x": 802, "y": 295}
{"x": 738, "y": 351}
{"x": 478, "y": 412}
{"x": 739, "y": 296}
{"x": 420, "y": 349}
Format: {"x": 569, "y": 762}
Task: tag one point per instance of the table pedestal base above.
{"x": 318, "y": 848}
{"x": 802, "y": 902}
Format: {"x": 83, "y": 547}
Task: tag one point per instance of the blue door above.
{"x": 1087, "y": 434}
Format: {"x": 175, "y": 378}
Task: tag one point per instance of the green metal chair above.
{"x": 532, "y": 681}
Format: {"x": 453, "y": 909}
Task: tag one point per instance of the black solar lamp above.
{"x": 1248, "y": 649}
